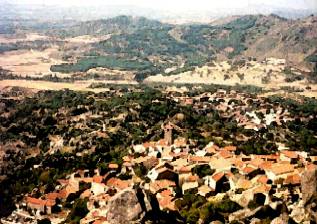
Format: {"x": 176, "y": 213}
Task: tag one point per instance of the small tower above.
{"x": 168, "y": 133}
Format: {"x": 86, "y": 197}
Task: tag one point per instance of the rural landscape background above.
{"x": 151, "y": 111}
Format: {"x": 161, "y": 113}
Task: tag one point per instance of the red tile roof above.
{"x": 52, "y": 196}
{"x": 192, "y": 178}
{"x": 162, "y": 184}
{"x": 248, "y": 169}
{"x": 262, "y": 179}
{"x": 113, "y": 166}
{"x": 293, "y": 179}
{"x": 97, "y": 179}
{"x": 117, "y": 183}
{"x": 167, "y": 203}
{"x": 199, "y": 159}
{"x": 184, "y": 169}
{"x": 218, "y": 176}
{"x": 230, "y": 148}
{"x": 279, "y": 169}
{"x": 290, "y": 154}
{"x": 36, "y": 201}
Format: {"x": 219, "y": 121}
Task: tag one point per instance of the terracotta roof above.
{"x": 167, "y": 203}
{"x": 248, "y": 169}
{"x": 225, "y": 154}
{"x": 256, "y": 162}
{"x": 149, "y": 144}
{"x": 218, "y": 176}
{"x": 36, "y": 201}
{"x": 166, "y": 192}
{"x": 262, "y": 189}
{"x": 199, "y": 159}
{"x": 244, "y": 184}
{"x": 117, "y": 183}
{"x": 268, "y": 157}
{"x": 192, "y": 178}
{"x": 63, "y": 193}
{"x": 290, "y": 154}
{"x": 161, "y": 184}
{"x": 184, "y": 169}
{"x": 293, "y": 179}
{"x": 52, "y": 196}
{"x": 266, "y": 165}
{"x": 230, "y": 148}
{"x": 238, "y": 163}
{"x": 262, "y": 179}
{"x": 279, "y": 169}
{"x": 162, "y": 143}
{"x": 113, "y": 166}
{"x": 97, "y": 179}
{"x": 211, "y": 149}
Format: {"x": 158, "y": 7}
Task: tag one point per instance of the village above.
{"x": 174, "y": 166}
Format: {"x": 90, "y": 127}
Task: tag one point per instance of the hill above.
{"x": 149, "y": 47}
{"x": 119, "y": 24}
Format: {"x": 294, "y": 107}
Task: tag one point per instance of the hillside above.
{"x": 149, "y": 47}
{"x": 144, "y": 47}
{"x": 119, "y": 24}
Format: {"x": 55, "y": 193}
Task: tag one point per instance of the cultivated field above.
{"x": 46, "y": 85}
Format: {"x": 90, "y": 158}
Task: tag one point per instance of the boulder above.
{"x": 309, "y": 185}
{"x": 309, "y": 193}
{"x": 242, "y": 214}
{"x": 127, "y": 206}
{"x": 279, "y": 220}
{"x": 297, "y": 214}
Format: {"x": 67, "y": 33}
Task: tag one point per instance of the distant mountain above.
{"x": 119, "y": 24}
{"x": 151, "y": 47}
{"x": 45, "y": 13}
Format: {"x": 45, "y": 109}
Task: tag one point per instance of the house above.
{"x": 220, "y": 164}
{"x": 164, "y": 171}
{"x": 166, "y": 202}
{"x": 113, "y": 166}
{"x": 40, "y": 205}
{"x": 289, "y": 156}
{"x": 118, "y": 183}
{"x": 218, "y": 181}
{"x": 98, "y": 188}
{"x": 187, "y": 186}
{"x": 293, "y": 179}
{"x": 159, "y": 185}
{"x": 199, "y": 159}
{"x": 279, "y": 170}
{"x": 205, "y": 191}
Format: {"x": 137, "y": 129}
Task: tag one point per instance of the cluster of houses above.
{"x": 249, "y": 112}
{"x": 172, "y": 168}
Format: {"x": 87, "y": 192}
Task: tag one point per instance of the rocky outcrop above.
{"x": 242, "y": 214}
{"x": 279, "y": 220}
{"x": 309, "y": 185}
{"x": 127, "y": 206}
{"x": 309, "y": 193}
